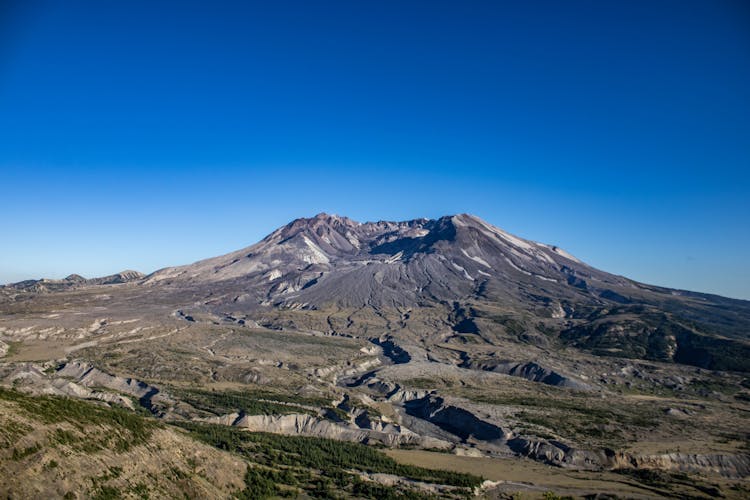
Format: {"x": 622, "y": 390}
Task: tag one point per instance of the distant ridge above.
{"x": 45, "y": 285}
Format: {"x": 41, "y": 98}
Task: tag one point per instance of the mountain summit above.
{"x": 444, "y": 334}
{"x": 455, "y": 279}
{"x": 464, "y": 273}
{"x": 328, "y": 258}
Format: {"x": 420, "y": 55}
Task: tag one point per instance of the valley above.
{"x": 439, "y": 357}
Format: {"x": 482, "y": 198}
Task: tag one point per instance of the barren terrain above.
{"x": 450, "y": 343}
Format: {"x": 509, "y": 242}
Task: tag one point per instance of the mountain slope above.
{"x": 446, "y": 333}
{"x": 426, "y": 282}
{"x": 334, "y": 259}
{"x": 467, "y": 271}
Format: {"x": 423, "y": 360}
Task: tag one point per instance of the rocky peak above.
{"x": 462, "y": 250}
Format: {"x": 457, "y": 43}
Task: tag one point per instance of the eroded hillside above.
{"x": 449, "y": 335}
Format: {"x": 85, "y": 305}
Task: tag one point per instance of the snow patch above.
{"x": 565, "y": 254}
{"x": 506, "y": 236}
{"x": 545, "y": 257}
{"x": 458, "y": 220}
{"x": 513, "y": 240}
{"x": 545, "y": 278}
{"x": 559, "y": 251}
{"x": 516, "y": 267}
{"x": 477, "y": 259}
{"x": 466, "y": 274}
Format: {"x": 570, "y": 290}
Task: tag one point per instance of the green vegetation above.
{"x": 513, "y": 325}
{"x": 549, "y": 495}
{"x": 140, "y": 490}
{"x": 703, "y": 386}
{"x": 669, "y": 480}
{"x": 420, "y": 383}
{"x": 321, "y": 467}
{"x": 372, "y": 412}
{"x": 19, "y": 454}
{"x": 594, "y": 414}
{"x": 102, "y": 491}
{"x": 11, "y": 431}
{"x": 277, "y": 465}
{"x": 634, "y": 332}
{"x": 124, "y": 429}
{"x": 713, "y": 353}
{"x": 106, "y": 493}
{"x": 287, "y": 397}
{"x": 577, "y": 416}
{"x": 259, "y": 402}
{"x": 53, "y": 368}
{"x": 230, "y": 401}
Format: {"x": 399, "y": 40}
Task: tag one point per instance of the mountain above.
{"x": 466, "y": 271}
{"x": 447, "y": 334}
{"x": 388, "y": 263}
{"x": 46, "y": 285}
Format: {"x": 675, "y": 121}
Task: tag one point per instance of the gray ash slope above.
{"x": 466, "y": 271}
{"x": 70, "y": 282}
{"x": 329, "y": 259}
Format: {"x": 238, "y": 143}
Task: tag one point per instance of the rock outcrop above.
{"x": 304, "y": 424}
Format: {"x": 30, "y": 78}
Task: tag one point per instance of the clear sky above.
{"x": 139, "y": 136}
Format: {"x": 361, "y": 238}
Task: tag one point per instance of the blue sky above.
{"x": 139, "y": 136}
